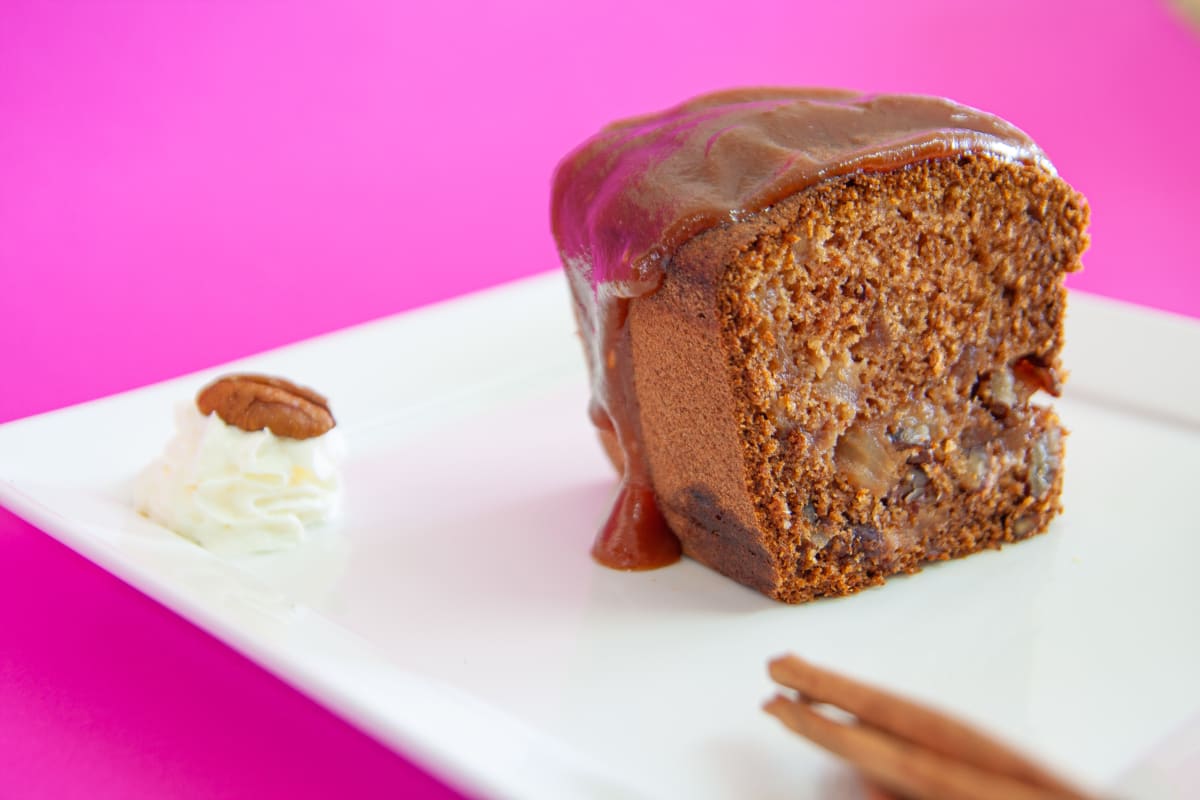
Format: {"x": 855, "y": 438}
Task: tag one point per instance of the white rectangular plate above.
{"x": 453, "y": 609}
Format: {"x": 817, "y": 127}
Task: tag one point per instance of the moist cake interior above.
{"x": 886, "y": 336}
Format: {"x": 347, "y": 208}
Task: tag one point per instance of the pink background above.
{"x": 185, "y": 183}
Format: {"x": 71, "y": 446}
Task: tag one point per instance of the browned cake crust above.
{"x": 838, "y": 388}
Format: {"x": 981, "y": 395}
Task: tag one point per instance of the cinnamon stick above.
{"x": 904, "y": 746}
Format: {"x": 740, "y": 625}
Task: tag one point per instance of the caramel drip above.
{"x": 635, "y": 536}
{"x": 627, "y": 198}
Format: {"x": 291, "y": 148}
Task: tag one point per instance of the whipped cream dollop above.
{"x": 235, "y": 491}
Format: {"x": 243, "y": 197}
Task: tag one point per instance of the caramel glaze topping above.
{"x": 627, "y": 198}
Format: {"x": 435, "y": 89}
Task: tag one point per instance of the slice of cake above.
{"x": 815, "y": 323}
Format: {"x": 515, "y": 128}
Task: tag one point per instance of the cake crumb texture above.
{"x": 841, "y": 387}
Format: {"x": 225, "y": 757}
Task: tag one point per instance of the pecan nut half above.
{"x": 254, "y": 402}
